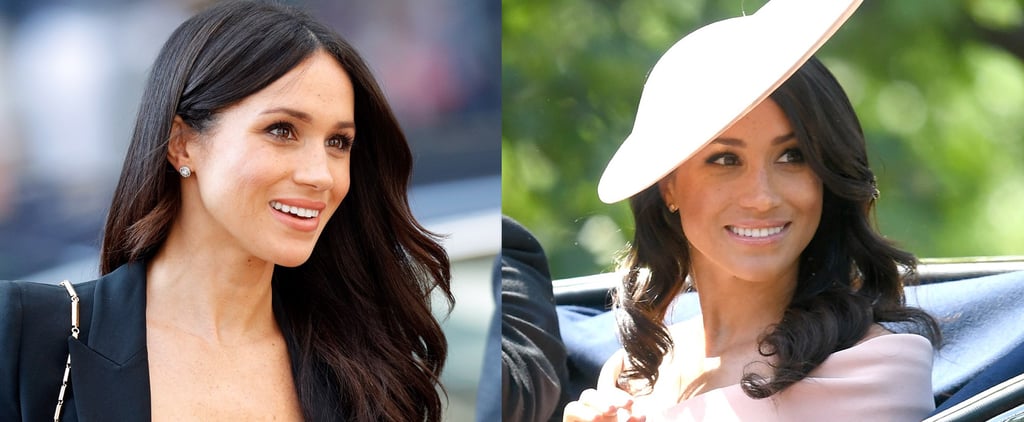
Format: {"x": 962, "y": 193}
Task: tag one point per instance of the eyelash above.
{"x": 341, "y": 142}
{"x": 796, "y": 156}
{"x": 721, "y": 157}
{"x": 795, "y": 152}
{"x": 277, "y": 127}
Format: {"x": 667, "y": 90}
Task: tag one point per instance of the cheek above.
{"x": 808, "y": 195}
{"x": 700, "y": 197}
{"x": 699, "y": 202}
{"x": 342, "y": 182}
{"x": 249, "y": 174}
{"x": 247, "y": 188}
{"x": 239, "y": 159}
{"x": 255, "y": 172}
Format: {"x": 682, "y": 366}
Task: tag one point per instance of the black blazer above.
{"x": 109, "y": 365}
{"x": 534, "y": 372}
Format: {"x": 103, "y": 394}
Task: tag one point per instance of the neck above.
{"x": 736, "y": 312}
{"x": 217, "y": 294}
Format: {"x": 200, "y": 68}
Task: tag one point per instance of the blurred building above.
{"x": 72, "y": 73}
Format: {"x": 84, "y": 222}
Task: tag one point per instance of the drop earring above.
{"x": 185, "y": 172}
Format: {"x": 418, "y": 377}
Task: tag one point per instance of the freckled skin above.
{"x": 214, "y": 348}
{"x": 753, "y": 181}
{"x": 240, "y": 167}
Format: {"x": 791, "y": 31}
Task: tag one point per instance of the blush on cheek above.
{"x": 246, "y": 189}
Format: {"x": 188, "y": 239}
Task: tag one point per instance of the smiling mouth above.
{"x": 757, "y": 233}
{"x": 295, "y": 211}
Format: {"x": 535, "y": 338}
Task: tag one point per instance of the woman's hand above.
{"x": 603, "y": 405}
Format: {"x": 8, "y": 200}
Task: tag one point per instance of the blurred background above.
{"x": 72, "y": 73}
{"x": 938, "y": 86}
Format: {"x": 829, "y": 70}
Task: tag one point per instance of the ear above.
{"x": 178, "y": 144}
{"x": 665, "y": 186}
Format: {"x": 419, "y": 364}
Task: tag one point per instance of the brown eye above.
{"x": 724, "y": 159}
{"x": 282, "y": 130}
{"x": 343, "y": 143}
{"x": 792, "y": 155}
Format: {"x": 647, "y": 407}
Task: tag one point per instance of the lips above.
{"x": 757, "y": 232}
{"x": 297, "y": 213}
{"x": 295, "y": 210}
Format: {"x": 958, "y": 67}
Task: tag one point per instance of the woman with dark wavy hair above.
{"x": 768, "y": 220}
{"x": 259, "y": 261}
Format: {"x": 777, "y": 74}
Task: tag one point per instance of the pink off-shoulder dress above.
{"x": 885, "y": 378}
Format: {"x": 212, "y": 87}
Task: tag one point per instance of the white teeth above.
{"x": 755, "y": 233}
{"x": 293, "y": 210}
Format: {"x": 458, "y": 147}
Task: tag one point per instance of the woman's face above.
{"x": 748, "y": 203}
{"x": 273, "y": 168}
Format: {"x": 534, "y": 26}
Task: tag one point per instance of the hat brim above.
{"x": 712, "y": 78}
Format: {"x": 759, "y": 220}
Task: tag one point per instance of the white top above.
{"x": 885, "y": 378}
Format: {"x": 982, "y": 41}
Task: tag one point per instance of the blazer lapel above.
{"x": 110, "y": 368}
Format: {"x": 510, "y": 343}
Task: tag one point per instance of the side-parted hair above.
{"x": 849, "y": 277}
{"x": 357, "y": 315}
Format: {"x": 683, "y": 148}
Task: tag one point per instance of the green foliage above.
{"x": 938, "y": 85}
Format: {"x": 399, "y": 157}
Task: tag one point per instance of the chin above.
{"x": 761, "y": 271}
{"x": 291, "y": 259}
{"x": 292, "y": 263}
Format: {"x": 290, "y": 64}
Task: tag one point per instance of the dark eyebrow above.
{"x": 305, "y": 117}
{"x": 732, "y": 142}
{"x": 735, "y": 142}
{"x": 783, "y": 138}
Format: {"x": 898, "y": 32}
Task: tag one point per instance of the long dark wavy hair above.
{"x": 363, "y": 342}
{"x": 849, "y": 276}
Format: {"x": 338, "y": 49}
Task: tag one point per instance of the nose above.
{"x": 313, "y": 167}
{"x": 759, "y": 189}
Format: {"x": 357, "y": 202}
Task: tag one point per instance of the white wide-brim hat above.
{"x": 710, "y": 79}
